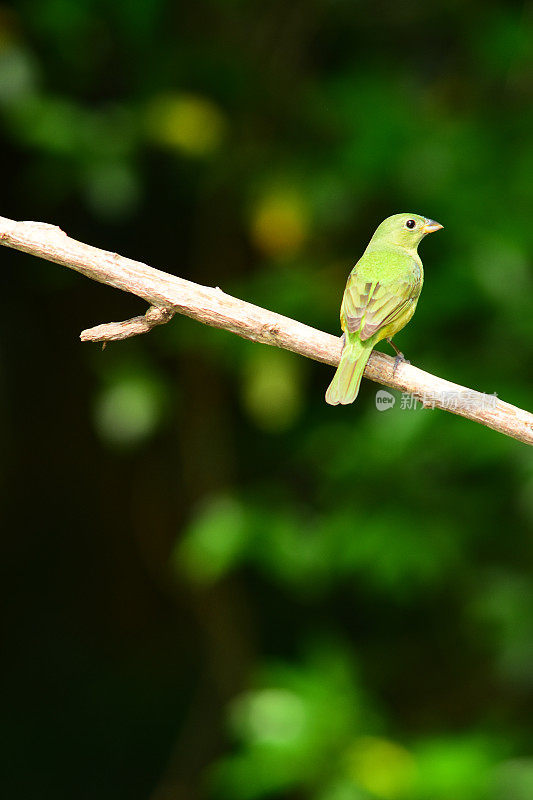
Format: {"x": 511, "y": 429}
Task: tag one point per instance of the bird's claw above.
{"x": 400, "y": 359}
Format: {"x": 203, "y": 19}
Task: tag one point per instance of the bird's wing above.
{"x": 369, "y": 305}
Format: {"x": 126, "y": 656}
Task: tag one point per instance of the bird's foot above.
{"x": 400, "y": 358}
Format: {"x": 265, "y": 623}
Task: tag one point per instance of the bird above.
{"x": 380, "y": 298}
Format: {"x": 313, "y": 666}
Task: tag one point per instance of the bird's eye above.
{"x": 410, "y": 224}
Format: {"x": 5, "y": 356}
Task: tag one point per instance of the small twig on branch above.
{"x": 114, "y": 331}
{"x": 168, "y": 295}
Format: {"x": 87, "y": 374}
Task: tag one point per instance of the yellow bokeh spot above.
{"x": 280, "y": 223}
{"x": 272, "y": 389}
{"x": 383, "y": 768}
{"x": 186, "y": 122}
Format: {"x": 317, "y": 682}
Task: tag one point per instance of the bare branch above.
{"x": 168, "y": 294}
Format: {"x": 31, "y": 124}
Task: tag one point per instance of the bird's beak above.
{"x": 431, "y": 226}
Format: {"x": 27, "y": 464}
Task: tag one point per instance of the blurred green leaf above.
{"x": 129, "y": 409}
{"x": 215, "y": 539}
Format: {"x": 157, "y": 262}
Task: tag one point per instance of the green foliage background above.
{"x": 217, "y": 586}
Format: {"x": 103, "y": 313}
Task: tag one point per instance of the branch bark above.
{"x": 168, "y": 295}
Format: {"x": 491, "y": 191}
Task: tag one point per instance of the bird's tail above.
{"x": 344, "y": 387}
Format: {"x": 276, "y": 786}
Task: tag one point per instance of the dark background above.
{"x": 215, "y": 585}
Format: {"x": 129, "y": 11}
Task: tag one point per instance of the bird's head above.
{"x": 406, "y": 230}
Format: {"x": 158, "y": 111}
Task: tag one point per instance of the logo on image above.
{"x": 384, "y": 400}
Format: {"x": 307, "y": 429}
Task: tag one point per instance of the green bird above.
{"x": 380, "y": 298}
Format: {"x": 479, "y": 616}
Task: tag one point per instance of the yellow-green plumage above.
{"x": 380, "y": 297}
